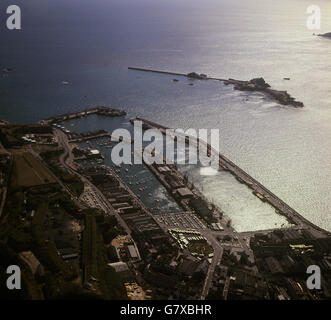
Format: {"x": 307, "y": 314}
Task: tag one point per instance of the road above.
{"x": 66, "y": 160}
{"x": 218, "y": 252}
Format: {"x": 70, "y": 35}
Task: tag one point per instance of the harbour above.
{"x": 258, "y": 189}
{"x": 226, "y": 165}
{"x": 254, "y": 85}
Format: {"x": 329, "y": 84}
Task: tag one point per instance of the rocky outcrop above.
{"x": 284, "y": 98}
{"x": 195, "y": 75}
{"x": 325, "y": 35}
{"x": 259, "y": 85}
{"x": 256, "y": 84}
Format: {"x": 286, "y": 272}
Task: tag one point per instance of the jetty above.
{"x": 90, "y": 136}
{"x": 74, "y": 137}
{"x": 100, "y": 110}
{"x": 98, "y": 136}
{"x": 254, "y": 85}
{"x": 191, "y": 75}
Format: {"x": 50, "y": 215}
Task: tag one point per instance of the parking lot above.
{"x": 181, "y": 220}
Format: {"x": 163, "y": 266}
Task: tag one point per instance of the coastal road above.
{"x": 218, "y": 252}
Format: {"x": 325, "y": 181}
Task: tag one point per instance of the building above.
{"x": 121, "y": 269}
{"x": 94, "y": 154}
{"x": 184, "y": 193}
{"x": 119, "y": 266}
{"x": 133, "y": 252}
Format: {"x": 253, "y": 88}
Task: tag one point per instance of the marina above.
{"x": 137, "y": 177}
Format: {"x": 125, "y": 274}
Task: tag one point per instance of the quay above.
{"x": 104, "y": 111}
{"x": 90, "y": 137}
{"x": 258, "y": 189}
{"x": 97, "y": 136}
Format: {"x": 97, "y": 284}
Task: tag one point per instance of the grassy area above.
{"x": 29, "y": 172}
{"x": 12, "y": 230}
{"x": 73, "y": 182}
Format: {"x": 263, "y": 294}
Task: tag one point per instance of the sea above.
{"x": 75, "y": 54}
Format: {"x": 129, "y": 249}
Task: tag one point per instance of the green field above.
{"x": 30, "y": 172}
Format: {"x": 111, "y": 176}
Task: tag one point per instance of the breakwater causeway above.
{"x": 254, "y": 85}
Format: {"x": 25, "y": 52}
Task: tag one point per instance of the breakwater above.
{"x": 257, "y": 188}
{"x": 104, "y": 111}
{"x": 254, "y": 85}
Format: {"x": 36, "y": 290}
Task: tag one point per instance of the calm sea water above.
{"x": 90, "y": 44}
{"x": 137, "y": 177}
